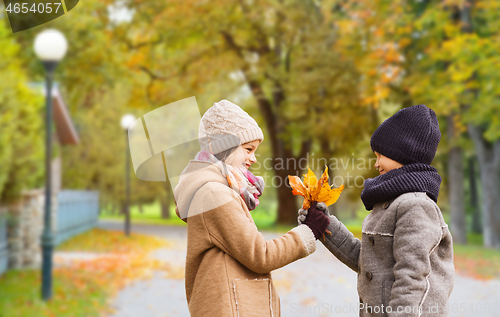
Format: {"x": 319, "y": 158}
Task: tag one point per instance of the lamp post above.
{"x": 50, "y": 47}
{"x": 126, "y": 122}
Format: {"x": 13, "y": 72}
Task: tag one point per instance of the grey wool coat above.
{"x": 404, "y": 260}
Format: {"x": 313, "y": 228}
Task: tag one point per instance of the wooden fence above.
{"x": 77, "y": 212}
{"x": 4, "y": 255}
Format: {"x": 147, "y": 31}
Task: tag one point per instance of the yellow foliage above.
{"x": 404, "y": 42}
{"x": 313, "y": 189}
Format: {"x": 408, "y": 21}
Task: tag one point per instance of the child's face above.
{"x": 244, "y": 156}
{"x": 385, "y": 164}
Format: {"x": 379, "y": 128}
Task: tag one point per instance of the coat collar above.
{"x": 193, "y": 177}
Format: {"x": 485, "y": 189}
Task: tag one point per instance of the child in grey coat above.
{"x": 404, "y": 260}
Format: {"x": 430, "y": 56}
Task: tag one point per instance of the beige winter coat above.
{"x": 404, "y": 259}
{"x": 228, "y": 262}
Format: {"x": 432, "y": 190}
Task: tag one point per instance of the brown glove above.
{"x": 316, "y": 220}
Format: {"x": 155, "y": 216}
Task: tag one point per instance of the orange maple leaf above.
{"x": 313, "y": 189}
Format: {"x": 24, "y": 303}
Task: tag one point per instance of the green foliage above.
{"x": 451, "y": 63}
{"x": 98, "y": 162}
{"x": 21, "y": 122}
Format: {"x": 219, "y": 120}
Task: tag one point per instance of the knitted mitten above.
{"x": 316, "y": 220}
{"x": 303, "y": 212}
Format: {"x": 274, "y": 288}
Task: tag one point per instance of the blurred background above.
{"x": 318, "y": 76}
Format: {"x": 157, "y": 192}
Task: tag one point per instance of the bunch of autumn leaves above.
{"x": 314, "y": 189}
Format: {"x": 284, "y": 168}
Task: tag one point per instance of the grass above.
{"x": 150, "y": 215}
{"x": 21, "y": 295}
{"x": 83, "y": 288}
{"x": 477, "y": 262}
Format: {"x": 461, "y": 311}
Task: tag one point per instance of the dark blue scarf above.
{"x": 417, "y": 177}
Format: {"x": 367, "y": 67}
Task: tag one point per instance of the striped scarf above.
{"x": 241, "y": 180}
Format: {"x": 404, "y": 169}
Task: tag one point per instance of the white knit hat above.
{"x": 225, "y": 125}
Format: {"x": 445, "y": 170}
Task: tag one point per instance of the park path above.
{"x": 316, "y": 286}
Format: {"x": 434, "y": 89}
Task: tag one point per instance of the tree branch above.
{"x": 232, "y": 44}
{"x": 152, "y": 75}
{"x": 182, "y": 68}
{"x": 147, "y": 43}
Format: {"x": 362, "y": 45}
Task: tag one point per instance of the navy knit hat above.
{"x": 410, "y": 136}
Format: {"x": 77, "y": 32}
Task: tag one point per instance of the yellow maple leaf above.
{"x": 313, "y": 189}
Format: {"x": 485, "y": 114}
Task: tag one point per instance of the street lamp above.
{"x": 50, "y": 48}
{"x": 126, "y": 122}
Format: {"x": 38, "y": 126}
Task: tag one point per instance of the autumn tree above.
{"x": 21, "y": 108}
{"x": 95, "y": 84}
{"x": 285, "y": 54}
{"x": 446, "y": 52}
{"x": 463, "y": 82}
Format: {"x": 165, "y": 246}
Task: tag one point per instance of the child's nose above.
{"x": 253, "y": 159}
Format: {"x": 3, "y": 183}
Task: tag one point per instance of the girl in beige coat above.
{"x": 228, "y": 262}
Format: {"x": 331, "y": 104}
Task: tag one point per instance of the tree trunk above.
{"x": 489, "y": 165}
{"x": 456, "y": 187}
{"x": 270, "y": 107}
{"x": 488, "y": 154}
{"x": 476, "y": 212}
{"x": 281, "y": 151}
{"x": 287, "y": 202}
{"x": 165, "y": 209}
{"x": 141, "y": 209}
{"x": 123, "y": 208}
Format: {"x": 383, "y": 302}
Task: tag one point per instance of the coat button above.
{"x": 372, "y": 240}
{"x": 385, "y": 205}
{"x": 369, "y": 276}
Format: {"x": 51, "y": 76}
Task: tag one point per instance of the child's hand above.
{"x": 317, "y": 220}
{"x": 302, "y": 216}
{"x": 323, "y": 208}
{"x": 303, "y": 212}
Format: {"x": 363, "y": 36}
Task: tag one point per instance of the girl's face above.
{"x": 385, "y": 164}
{"x": 244, "y": 155}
